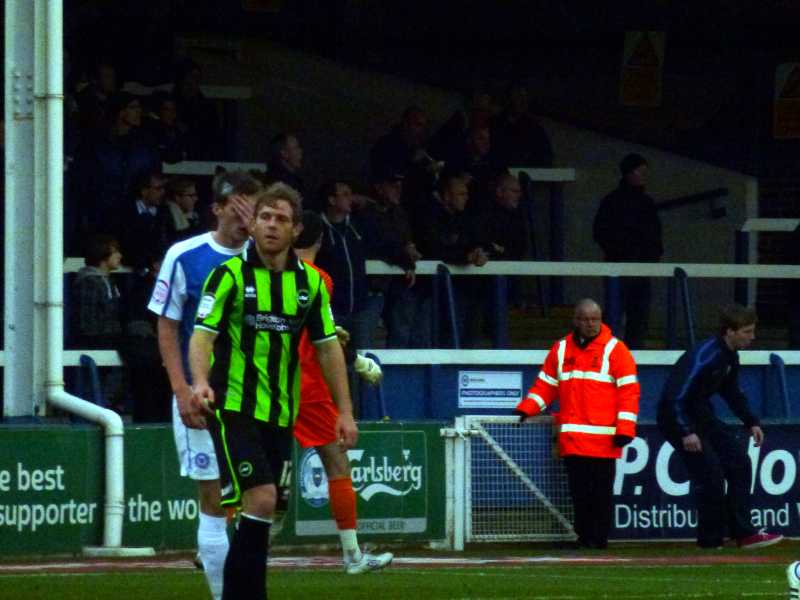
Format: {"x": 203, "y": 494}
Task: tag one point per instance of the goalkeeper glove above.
{"x": 368, "y": 369}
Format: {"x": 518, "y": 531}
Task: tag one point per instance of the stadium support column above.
{"x": 18, "y": 393}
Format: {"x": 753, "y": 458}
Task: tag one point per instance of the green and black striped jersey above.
{"x": 259, "y": 316}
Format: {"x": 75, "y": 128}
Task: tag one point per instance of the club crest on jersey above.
{"x": 245, "y": 469}
{"x": 160, "y": 292}
{"x": 303, "y": 298}
{"x": 206, "y": 306}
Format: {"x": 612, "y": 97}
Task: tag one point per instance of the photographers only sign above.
{"x": 489, "y": 389}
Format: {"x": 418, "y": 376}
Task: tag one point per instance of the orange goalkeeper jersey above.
{"x": 312, "y": 383}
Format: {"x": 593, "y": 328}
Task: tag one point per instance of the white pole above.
{"x": 18, "y": 375}
{"x": 49, "y": 33}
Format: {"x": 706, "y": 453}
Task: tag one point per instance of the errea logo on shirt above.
{"x": 205, "y": 306}
{"x": 249, "y": 291}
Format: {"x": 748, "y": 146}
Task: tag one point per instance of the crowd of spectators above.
{"x": 443, "y": 194}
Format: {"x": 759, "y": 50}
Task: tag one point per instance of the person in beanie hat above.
{"x": 630, "y": 163}
{"x": 628, "y": 229}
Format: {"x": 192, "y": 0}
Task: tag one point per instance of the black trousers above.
{"x": 591, "y": 483}
{"x": 723, "y": 458}
{"x": 636, "y": 293}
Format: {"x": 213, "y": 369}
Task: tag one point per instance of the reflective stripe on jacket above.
{"x": 598, "y": 394}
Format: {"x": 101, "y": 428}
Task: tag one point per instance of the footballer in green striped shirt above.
{"x": 246, "y": 373}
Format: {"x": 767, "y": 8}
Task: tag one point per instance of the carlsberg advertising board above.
{"x": 399, "y": 488}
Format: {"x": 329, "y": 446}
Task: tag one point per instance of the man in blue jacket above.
{"x": 711, "y": 451}
{"x": 343, "y": 255}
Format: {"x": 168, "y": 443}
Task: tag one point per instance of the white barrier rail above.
{"x": 202, "y": 167}
{"x": 755, "y": 225}
{"x": 578, "y": 269}
{"x": 217, "y": 92}
{"x": 110, "y": 358}
{"x": 599, "y": 269}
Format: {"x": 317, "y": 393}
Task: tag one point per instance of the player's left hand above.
{"x": 368, "y": 370}
{"x": 346, "y": 431}
{"x": 758, "y": 435}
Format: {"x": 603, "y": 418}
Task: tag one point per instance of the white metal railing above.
{"x": 576, "y": 269}
{"x": 218, "y": 92}
{"x": 598, "y": 269}
{"x": 208, "y": 167}
{"x": 755, "y": 225}
{"x": 110, "y": 358}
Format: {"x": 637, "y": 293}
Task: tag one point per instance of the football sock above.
{"x": 212, "y": 544}
{"x": 343, "y": 508}
{"x": 246, "y": 565}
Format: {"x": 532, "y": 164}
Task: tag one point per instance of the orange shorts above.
{"x": 316, "y": 423}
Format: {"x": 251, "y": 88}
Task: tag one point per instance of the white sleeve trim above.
{"x": 547, "y": 379}
{"x": 324, "y": 340}
{"x": 538, "y": 399}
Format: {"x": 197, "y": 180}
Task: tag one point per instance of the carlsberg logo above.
{"x": 378, "y": 475}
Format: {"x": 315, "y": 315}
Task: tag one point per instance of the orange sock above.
{"x": 343, "y": 502}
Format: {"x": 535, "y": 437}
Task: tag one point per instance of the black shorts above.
{"x": 250, "y": 453}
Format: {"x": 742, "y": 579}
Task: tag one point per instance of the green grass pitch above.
{"x": 679, "y": 572}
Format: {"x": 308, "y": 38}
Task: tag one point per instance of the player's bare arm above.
{"x": 200, "y": 348}
{"x": 331, "y": 360}
{"x": 169, "y": 346}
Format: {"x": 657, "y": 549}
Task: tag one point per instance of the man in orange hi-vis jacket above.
{"x": 593, "y": 375}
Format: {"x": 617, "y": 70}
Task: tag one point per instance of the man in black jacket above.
{"x": 628, "y": 229}
{"x": 712, "y": 453}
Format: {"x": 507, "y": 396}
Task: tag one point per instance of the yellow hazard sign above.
{"x": 786, "y": 105}
{"x": 642, "y": 66}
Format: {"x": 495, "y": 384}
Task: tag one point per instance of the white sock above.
{"x": 350, "y": 549}
{"x": 212, "y": 543}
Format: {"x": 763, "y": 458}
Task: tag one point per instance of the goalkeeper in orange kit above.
{"x": 316, "y": 422}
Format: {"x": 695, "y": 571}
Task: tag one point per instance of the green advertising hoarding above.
{"x": 52, "y": 490}
{"x": 399, "y": 478}
{"x": 52, "y": 487}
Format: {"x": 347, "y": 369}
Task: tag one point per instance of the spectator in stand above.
{"x": 94, "y": 98}
{"x": 505, "y": 234}
{"x": 106, "y": 166}
{"x": 445, "y": 234}
{"x": 95, "y": 298}
{"x": 285, "y": 162}
{"x": 168, "y": 133}
{"x": 404, "y": 150}
{"x": 386, "y": 229}
{"x": 198, "y": 113}
{"x": 476, "y": 159}
{"x": 183, "y": 220}
{"x": 628, "y": 229}
{"x": 504, "y": 227}
{"x": 143, "y": 223}
{"x": 477, "y": 113}
{"x": 519, "y": 139}
{"x": 95, "y": 309}
{"x": 343, "y": 255}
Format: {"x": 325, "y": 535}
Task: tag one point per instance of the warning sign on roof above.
{"x": 642, "y": 63}
{"x": 786, "y": 109}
